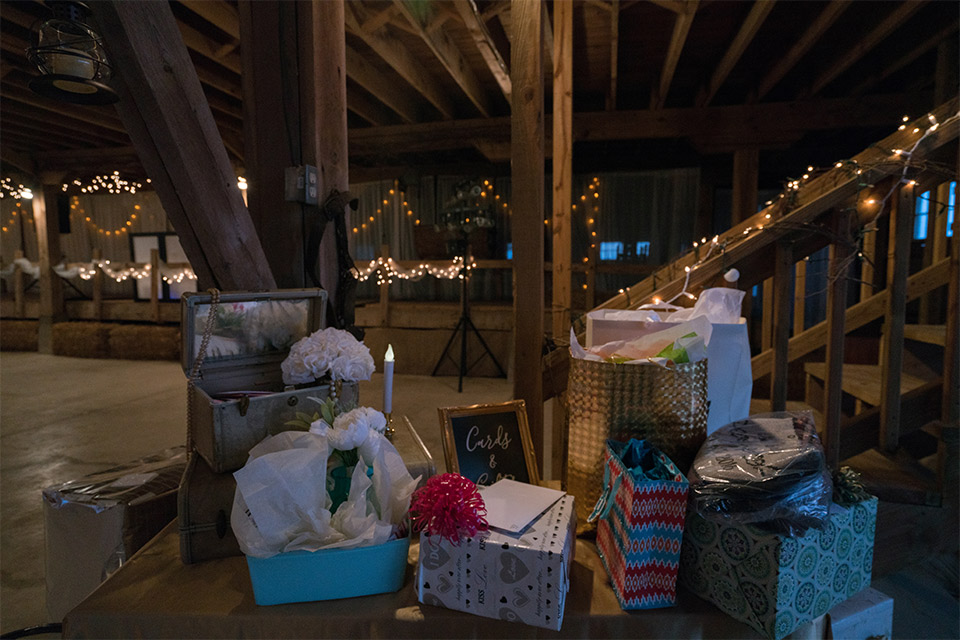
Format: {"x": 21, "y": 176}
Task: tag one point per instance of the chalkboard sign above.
{"x": 489, "y": 442}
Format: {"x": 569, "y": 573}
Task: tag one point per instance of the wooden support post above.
{"x": 385, "y": 291}
{"x": 839, "y": 272}
{"x": 951, "y": 354}
{"x": 898, "y": 256}
{"x": 746, "y": 171}
{"x": 155, "y": 284}
{"x": 593, "y": 257}
{"x": 167, "y": 116}
{"x": 562, "y": 165}
{"x": 48, "y": 246}
{"x": 799, "y": 295}
{"x": 97, "y": 284}
{"x": 527, "y": 140}
{"x": 18, "y": 294}
{"x": 781, "y": 326}
{"x": 867, "y": 270}
{"x": 766, "y": 325}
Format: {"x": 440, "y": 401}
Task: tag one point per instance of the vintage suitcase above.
{"x": 239, "y": 395}
{"x": 206, "y": 498}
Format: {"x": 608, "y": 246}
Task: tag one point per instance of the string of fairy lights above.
{"x": 116, "y": 271}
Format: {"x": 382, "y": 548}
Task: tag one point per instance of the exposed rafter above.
{"x": 871, "y": 40}
{"x": 810, "y": 37}
{"x": 758, "y": 13}
{"x": 614, "y": 49}
{"x": 378, "y": 20}
{"x": 219, "y": 13}
{"x": 401, "y": 60}
{"x": 681, "y": 29}
{"x": 208, "y": 48}
{"x": 485, "y": 45}
{"x": 383, "y": 89}
{"x": 370, "y": 110}
{"x": 449, "y": 56}
{"x": 924, "y": 45}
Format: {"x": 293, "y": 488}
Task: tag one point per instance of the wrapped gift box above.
{"x": 94, "y": 524}
{"x": 521, "y": 578}
{"x": 329, "y": 574}
{"x": 773, "y": 582}
{"x": 869, "y": 614}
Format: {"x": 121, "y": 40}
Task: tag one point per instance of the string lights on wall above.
{"x": 119, "y": 272}
{"x": 387, "y": 270}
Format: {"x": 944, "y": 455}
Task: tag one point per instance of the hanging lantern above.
{"x": 70, "y": 57}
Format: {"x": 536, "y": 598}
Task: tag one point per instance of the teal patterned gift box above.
{"x": 774, "y": 582}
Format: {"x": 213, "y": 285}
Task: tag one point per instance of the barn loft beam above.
{"x": 844, "y": 61}
{"x": 448, "y": 54}
{"x": 470, "y": 16}
{"x": 219, "y": 13}
{"x": 751, "y": 25}
{"x": 614, "y": 50}
{"x": 681, "y": 29}
{"x": 169, "y": 121}
{"x": 810, "y": 37}
{"x": 677, "y": 6}
{"x": 98, "y": 117}
{"x": 209, "y": 48}
{"x": 924, "y": 45}
{"x": 370, "y": 110}
{"x": 377, "y": 20}
{"x": 750, "y": 123}
{"x": 401, "y": 60}
{"x": 398, "y": 98}
{"x": 20, "y": 161}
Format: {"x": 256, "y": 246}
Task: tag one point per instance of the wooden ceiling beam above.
{"x": 219, "y": 13}
{"x": 810, "y": 37}
{"x": 614, "y": 49}
{"x": 401, "y": 60}
{"x": 219, "y": 82}
{"x": 758, "y": 13}
{"x": 374, "y": 22}
{"x": 924, "y": 45}
{"x": 677, "y": 6}
{"x": 370, "y": 110}
{"x": 681, "y": 29}
{"x": 21, "y": 161}
{"x": 600, "y": 4}
{"x": 887, "y": 26}
{"x": 449, "y": 56}
{"x": 398, "y": 98}
{"x": 547, "y": 35}
{"x": 494, "y": 9}
{"x": 470, "y": 15}
{"x": 208, "y": 48}
{"x": 14, "y": 115}
{"x": 94, "y": 116}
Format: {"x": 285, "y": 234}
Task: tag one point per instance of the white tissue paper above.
{"x": 282, "y": 504}
{"x": 720, "y": 305}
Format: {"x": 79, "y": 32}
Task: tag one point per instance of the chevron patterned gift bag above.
{"x": 641, "y": 514}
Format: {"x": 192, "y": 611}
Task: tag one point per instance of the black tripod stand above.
{"x": 462, "y": 327}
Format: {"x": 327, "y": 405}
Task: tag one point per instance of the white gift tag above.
{"x": 512, "y": 506}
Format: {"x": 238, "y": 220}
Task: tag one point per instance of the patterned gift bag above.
{"x": 641, "y": 513}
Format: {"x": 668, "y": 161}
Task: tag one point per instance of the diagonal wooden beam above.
{"x": 449, "y": 56}
{"x": 470, "y": 16}
{"x": 382, "y": 88}
{"x": 378, "y": 20}
{"x": 671, "y": 5}
{"x": 219, "y": 13}
{"x": 681, "y": 29}
{"x": 813, "y": 33}
{"x": 924, "y": 45}
{"x": 208, "y": 48}
{"x": 370, "y": 110}
{"x": 748, "y": 30}
{"x": 614, "y": 49}
{"x": 401, "y": 60}
{"x": 887, "y": 26}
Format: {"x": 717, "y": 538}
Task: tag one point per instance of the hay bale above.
{"x": 18, "y": 335}
{"x": 81, "y": 339}
{"x": 144, "y": 342}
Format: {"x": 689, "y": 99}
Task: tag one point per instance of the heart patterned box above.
{"x": 520, "y": 578}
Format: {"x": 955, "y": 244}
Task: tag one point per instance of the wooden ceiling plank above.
{"x": 207, "y": 47}
{"x": 370, "y": 110}
{"x": 219, "y": 82}
{"x": 614, "y": 49}
{"x": 758, "y": 13}
{"x": 105, "y": 120}
{"x": 21, "y": 161}
{"x": 677, "y": 6}
{"x": 16, "y": 115}
{"x": 401, "y": 60}
{"x": 924, "y": 45}
{"x": 843, "y": 62}
{"x": 219, "y": 13}
{"x": 470, "y": 15}
{"x": 169, "y": 120}
{"x": 450, "y": 57}
{"x": 382, "y": 88}
{"x": 374, "y": 22}
{"x": 681, "y": 29}
{"x": 810, "y": 37}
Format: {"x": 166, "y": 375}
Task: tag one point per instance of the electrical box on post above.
{"x": 300, "y": 184}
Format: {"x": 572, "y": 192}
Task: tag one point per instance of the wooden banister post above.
{"x": 155, "y": 285}
{"x": 799, "y": 295}
{"x": 781, "y": 325}
{"x": 97, "y": 284}
{"x": 898, "y": 255}
{"x": 867, "y": 269}
{"x": 562, "y": 165}
{"x": 48, "y": 246}
{"x": 838, "y": 274}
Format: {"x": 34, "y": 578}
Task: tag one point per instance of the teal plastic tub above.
{"x": 329, "y": 574}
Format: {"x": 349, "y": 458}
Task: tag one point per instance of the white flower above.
{"x": 349, "y": 436}
{"x": 360, "y": 429}
{"x": 320, "y": 427}
{"x": 328, "y": 351}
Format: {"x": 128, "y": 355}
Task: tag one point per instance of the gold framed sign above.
{"x": 489, "y": 442}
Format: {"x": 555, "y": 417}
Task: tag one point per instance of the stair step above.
{"x": 929, "y": 333}
{"x": 862, "y": 381}
{"x": 896, "y": 478}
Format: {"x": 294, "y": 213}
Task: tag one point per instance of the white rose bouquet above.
{"x": 329, "y": 352}
{"x": 355, "y": 435}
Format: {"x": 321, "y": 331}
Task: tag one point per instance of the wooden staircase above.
{"x": 887, "y": 409}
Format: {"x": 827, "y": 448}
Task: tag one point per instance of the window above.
{"x": 921, "y": 215}
{"x": 643, "y": 249}
{"x": 951, "y": 208}
{"x": 509, "y": 251}
{"x": 610, "y": 250}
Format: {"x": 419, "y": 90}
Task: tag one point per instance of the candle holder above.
{"x": 390, "y": 431}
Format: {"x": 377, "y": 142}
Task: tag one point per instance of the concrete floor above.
{"x": 62, "y": 418}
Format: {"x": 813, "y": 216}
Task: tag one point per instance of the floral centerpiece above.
{"x": 329, "y": 353}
